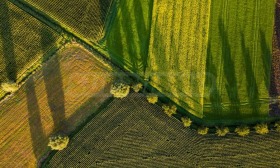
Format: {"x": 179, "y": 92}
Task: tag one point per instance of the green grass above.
{"x": 239, "y": 59}
{"x": 127, "y": 38}
{"x": 84, "y": 18}
{"x": 23, "y": 42}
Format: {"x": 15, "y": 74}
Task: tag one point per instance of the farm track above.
{"x": 131, "y": 132}
{"x": 59, "y": 97}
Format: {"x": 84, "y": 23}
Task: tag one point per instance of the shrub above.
{"x": 58, "y": 142}
{"x": 242, "y": 130}
{"x": 277, "y": 126}
{"x": 202, "y": 130}
{"x": 222, "y": 131}
{"x": 119, "y": 90}
{"x": 169, "y": 110}
{"x": 261, "y": 128}
{"x": 137, "y": 87}
{"x": 152, "y": 98}
{"x": 10, "y": 86}
{"x": 186, "y": 121}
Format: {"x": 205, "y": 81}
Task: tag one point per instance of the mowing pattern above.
{"x": 69, "y": 88}
{"x": 84, "y": 18}
{"x": 23, "y": 41}
{"x": 128, "y": 36}
{"x": 177, "y": 51}
{"x": 130, "y": 132}
{"x": 239, "y": 59}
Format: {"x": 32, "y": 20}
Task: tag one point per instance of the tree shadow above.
{"x": 211, "y": 84}
{"x": 252, "y": 87}
{"x": 7, "y": 42}
{"x": 35, "y": 124}
{"x": 277, "y": 22}
{"x": 229, "y": 70}
{"x": 131, "y": 23}
{"x": 54, "y": 86}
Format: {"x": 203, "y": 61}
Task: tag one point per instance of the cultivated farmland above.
{"x": 24, "y": 41}
{"x": 68, "y": 89}
{"x": 127, "y": 38}
{"x": 239, "y": 59}
{"x": 83, "y": 18}
{"x": 177, "y": 51}
{"x": 130, "y": 132}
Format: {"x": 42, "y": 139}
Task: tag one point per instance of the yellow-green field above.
{"x": 24, "y": 42}
{"x": 177, "y": 51}
{"x": 68, "y": 89}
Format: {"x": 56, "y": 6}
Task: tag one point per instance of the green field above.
{"x": 127, "y": 38}
{"x": 239, "y": 59}
{"x": 84, "y": 18}
{"x": 213, "y": 58}
{"x": 23, "y": 42}
{"x": 130, "y": 132}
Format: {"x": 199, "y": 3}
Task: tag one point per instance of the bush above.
{"x": 277, "y": 126}
{"x": 119, "y": 90}
{"x": 261, "y": 128}
{"x": 152, "y": 98}
{"x": 242, "y": 130}
{"x": 137, "y": 87}
{"x": 10, "y": 86}
{"x": 169, "y": 110}
{"x": 222, "y": 131}
{"x": 186, "y": 121}
{"x": 58, "y": 142}
{"x": 202, "y": 130}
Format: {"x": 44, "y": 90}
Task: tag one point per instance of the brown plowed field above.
{"x": 67, "y": 89}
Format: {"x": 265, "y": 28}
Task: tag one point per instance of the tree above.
{"x": 261, "y": 128}
{"x": 242, "y": 130}
{"x": 222, "y": 131}
{"x": 152, "y": 98}
{"x": 119, "y": 90}
{"x": 137, "y": 87}
{"x": 186, "y": 121}
{"x": 58, "y": 142}
{"x": 202, "y": 130}
{"x": 9, "y": 86}
{"x": 277, "y": 126}
{"x": 169, "y": 110}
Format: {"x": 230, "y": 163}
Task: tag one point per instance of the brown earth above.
{"x": 275, "y": 73}
{"x": 68, "y": 88}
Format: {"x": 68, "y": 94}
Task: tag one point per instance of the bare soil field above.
{"x": 59, "y": 97}
{"x": 130, "y": 132}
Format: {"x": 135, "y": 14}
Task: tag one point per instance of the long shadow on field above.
{"x": 104, "y": 7}
{"x": 229, "y": 70}
{"x": 128, "y": 40}
{"x": 252, "y": 87}
{"x": 266, "y": 58}
{"x": 35, "y": 124}
{"x": 7, "y": 42}
{"x": 54, "y": 86}
{"x": 211, "y": 84}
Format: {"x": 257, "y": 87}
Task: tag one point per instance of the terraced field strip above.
{"x": 127, "y": 39}
{"x": 24, "y": 42}
{"x": 59, "y": 97}
{"x": 83, "y": 18}
{"x": 239, "y": 59}
{"x": 130, "y": 132}
{"x": 177, "y": 51}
